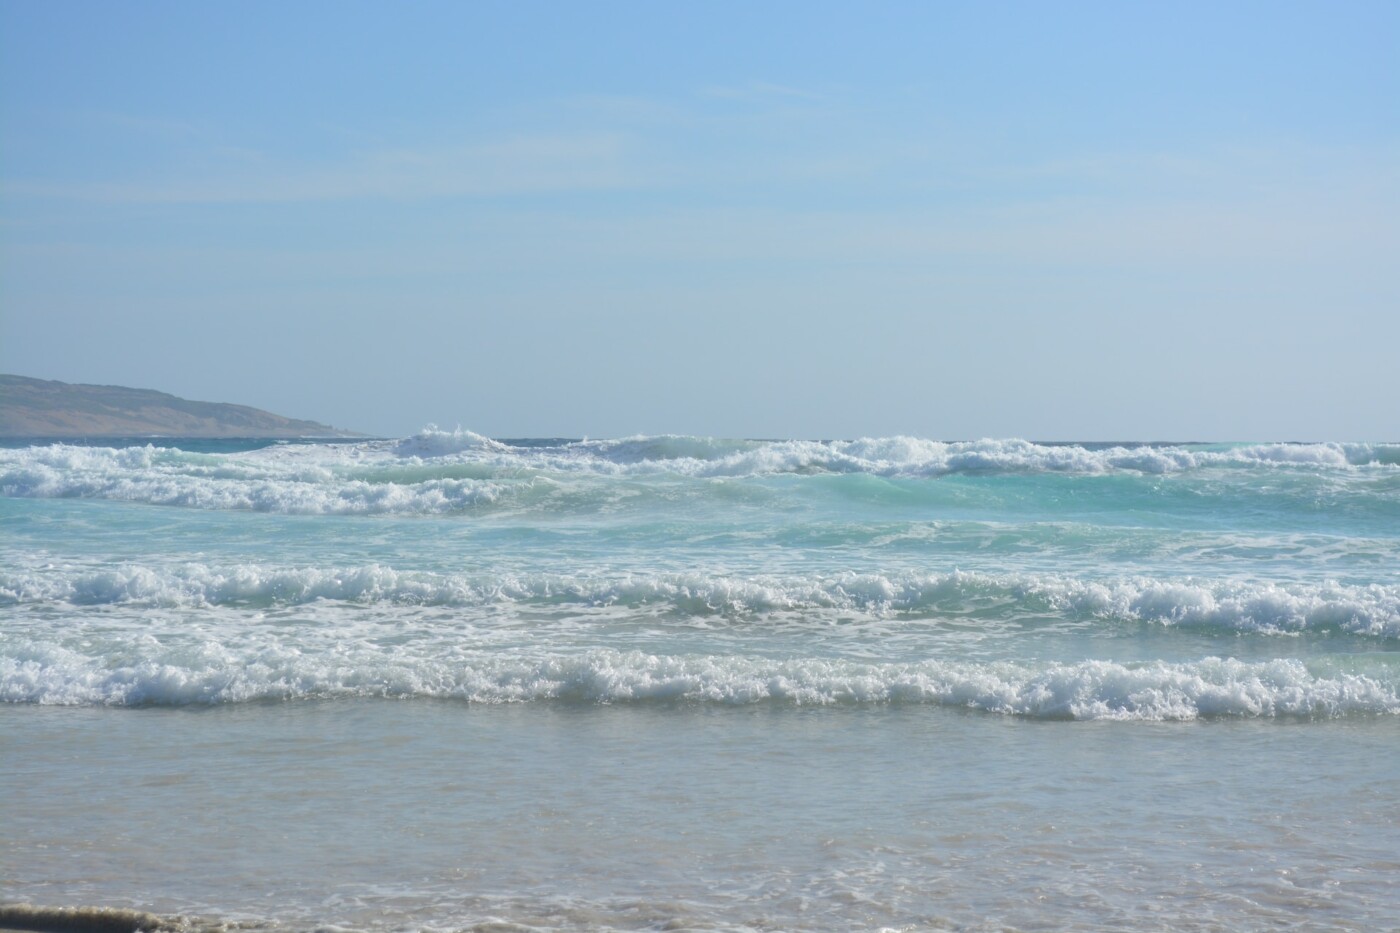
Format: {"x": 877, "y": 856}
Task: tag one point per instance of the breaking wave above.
{"x": 1087, "y": 690}
{"x": 300, "y": 485}
{"x": 436, "y": 472}
{"x": 891, "y": 456}
{"x": 1370, "y": 610}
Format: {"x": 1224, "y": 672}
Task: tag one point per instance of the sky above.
{"x": 951, "y": 220}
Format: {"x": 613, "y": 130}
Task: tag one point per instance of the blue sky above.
{"x": 1070, "y": 220}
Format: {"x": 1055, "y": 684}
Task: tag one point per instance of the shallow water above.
{"x": 440, "y": 814}
{"x": 444, "y": 681}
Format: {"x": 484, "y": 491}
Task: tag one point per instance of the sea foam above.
{"x": 1370, "y": 610}
{"x": 890, "y": 456}
{"x": 1087, "y": 690}
{"x": 441, "y": 473}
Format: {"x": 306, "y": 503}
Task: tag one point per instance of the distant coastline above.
{"x": 47, "y": 409}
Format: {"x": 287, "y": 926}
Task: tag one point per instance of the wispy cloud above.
{"x": 514, "y": 165}
{"x": 143, "y": 125}
{"x": 742, "y": 183}
{"x": 759, "y": 91}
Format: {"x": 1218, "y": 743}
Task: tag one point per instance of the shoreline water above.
{"x": 429, "y": 815}
{"x": 445, "y": 681}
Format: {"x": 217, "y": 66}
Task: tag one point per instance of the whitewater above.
{"x": 455, "y": 682}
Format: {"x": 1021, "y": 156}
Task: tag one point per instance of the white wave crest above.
{"x": 1087, "y": 690}
{"x": 895, "y": 456}
{"x": 1370, "y": 610}
{"x": 438, "y": 472}
{"x": 290, "y": 485}
{"x": 431, "y": 442}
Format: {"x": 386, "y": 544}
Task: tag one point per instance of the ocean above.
{"x": 654, "y": 683}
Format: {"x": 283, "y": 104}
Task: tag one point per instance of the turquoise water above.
{"x": 447, "y": 681}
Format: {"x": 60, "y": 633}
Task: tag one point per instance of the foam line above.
{"x": 1371, "y": 610}
{"x": 1087, "y": 690}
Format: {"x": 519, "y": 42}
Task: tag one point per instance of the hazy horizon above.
{"x": 458, "y": 429}
{"x": 1085, "y": 222}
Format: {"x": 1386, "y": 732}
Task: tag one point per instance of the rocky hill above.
{"x": 43, "y": 408}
